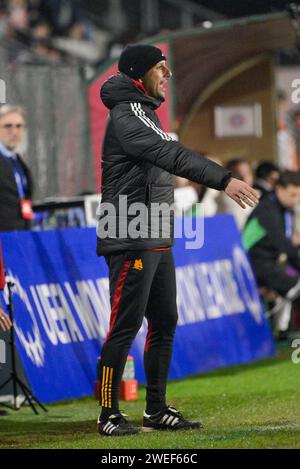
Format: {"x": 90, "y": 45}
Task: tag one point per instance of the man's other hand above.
{"x": 242, "y": 193}
{"x": 5, "y": 323}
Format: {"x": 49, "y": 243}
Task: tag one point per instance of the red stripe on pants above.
{"x": 117, "y": 297}
{"x": 149, "y": 335}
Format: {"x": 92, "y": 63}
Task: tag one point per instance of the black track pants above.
{"x": 142, "y": 284}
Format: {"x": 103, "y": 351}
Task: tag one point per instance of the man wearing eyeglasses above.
{"x": 15, "y": 179}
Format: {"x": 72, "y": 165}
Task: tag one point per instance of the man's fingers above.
{"x": 253, "y": 196}
{"x": 250, "y": 194}
{"x": 242, "y": 193}
{"x": 248, "y": 201}
{"x": 239, "y": 201}
{"x": 5, "y": 322}
{"x": 245, "y": 199}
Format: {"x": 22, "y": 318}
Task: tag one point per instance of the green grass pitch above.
{"x": 250, "y": 406}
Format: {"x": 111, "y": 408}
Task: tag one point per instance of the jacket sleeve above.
{"x": 141, "y": 138}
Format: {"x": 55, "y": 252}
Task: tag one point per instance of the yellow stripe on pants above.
{"x": 110, "y": 388}
{"x": 106, "y": 387}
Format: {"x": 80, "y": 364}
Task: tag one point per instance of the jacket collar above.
{"x": 6, "y": 152}
{"x": 121, "y": 88}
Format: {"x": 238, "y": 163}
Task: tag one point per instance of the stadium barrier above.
{"x": 61, "y": 300}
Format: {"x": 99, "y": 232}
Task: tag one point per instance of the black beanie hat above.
{"x": 137, "y": 59}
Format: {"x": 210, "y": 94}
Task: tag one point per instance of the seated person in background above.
{"x": 266, "y": 176}
{"x": 269, "y": 237}
{"x": 240, "y": 169}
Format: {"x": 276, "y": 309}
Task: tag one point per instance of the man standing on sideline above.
{"x": 138, "y": 161}
{"x": 5, "y": 325}
{"x": 15, "y": 180}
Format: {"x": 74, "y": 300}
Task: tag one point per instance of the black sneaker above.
{"x": 116, "y": 425}
{"x": 167, "y": 419}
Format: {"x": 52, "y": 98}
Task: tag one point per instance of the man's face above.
{"x": 156, "y": 78}
{"x": 12, "y": 130}
{"x": 288, "y": 196}
{"x": 273, "y": 178}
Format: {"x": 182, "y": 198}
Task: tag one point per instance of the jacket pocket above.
{"x": 162, "y": 194}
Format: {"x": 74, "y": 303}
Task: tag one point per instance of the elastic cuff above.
{"x": 226, "y": 180}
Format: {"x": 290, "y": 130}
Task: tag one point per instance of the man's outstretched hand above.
{"x": 241, "y": 193}
{"x": 5, "y": 323}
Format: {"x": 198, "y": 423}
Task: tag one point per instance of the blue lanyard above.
{"x": 20, "y": 177}
{"x": 288, "y": 221}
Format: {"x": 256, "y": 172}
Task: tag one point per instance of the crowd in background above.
{"x": 55, "y": 31}
{"x": 62, "y": 32}
{"x": 271, "y": 231}
{"x": 213, "y": 202}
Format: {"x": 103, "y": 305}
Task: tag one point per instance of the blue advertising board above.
{"x": 61, "y": 304}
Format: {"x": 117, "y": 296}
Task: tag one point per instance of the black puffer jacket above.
{"x": 138, "y": 161}
{"x": 10, "y": 212}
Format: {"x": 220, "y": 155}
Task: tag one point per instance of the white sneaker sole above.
{"x": 149, "y": 429}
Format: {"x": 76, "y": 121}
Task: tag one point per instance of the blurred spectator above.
{"x": 40, "y": 49}
{"x": 266, "y": 176}
{"x": 61, "y": 14}
{"x": 18, "y": 15}
{"x": 273, "y": 250}
{"x": 82, "y": 44}
{"x": 15, "y": 180}
{"x": 14, "y": 28}
{"x": 47, "y": 31}
{"x": 240, "y": 169}
{"x": 286, "y": 145}
{"x": 40, "y": 37}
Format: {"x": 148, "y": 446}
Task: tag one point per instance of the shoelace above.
{"x": 171, "y": 417}
{"x": 117, "y": 419}
{"x": 121, "y": 417}
{"x": 174, "y": 411}
{"x": 113, "y": 423}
